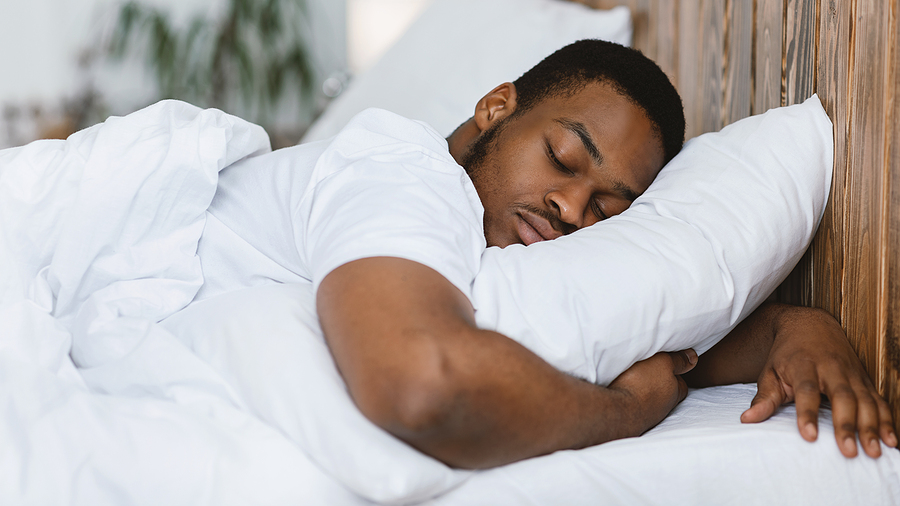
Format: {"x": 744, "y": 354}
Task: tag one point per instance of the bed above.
{"x": 177, "y": 420}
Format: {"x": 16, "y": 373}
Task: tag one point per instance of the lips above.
{"x": 533, "y": 228}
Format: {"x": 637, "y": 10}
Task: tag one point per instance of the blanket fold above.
{"x": 101, "y": 230}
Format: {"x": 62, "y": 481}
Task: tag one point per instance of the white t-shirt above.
{"x": 384, "y": 186}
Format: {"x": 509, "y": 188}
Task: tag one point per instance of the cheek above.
{"x": 525, "y": 178}
{"x": 511, "y": 175}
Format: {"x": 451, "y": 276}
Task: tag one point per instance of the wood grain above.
{"x": 833, "y": 88}
{"x": 865, "y": 183}
{"x": 799, "y": 76}
{"x": 701, "y": 63}
{"x": 664, "y": 27}
{"x": 889, "y": 383}
{"x": 712, "y": 70}
{"x": 640, "y": 18}
{"x": 798, "y": 80}
{"x": 738, "y": 60}
{"x": 689, "y": 63}
{"x": 767, "y": 65}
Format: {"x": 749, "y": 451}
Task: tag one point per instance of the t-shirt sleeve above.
{"x": 387, "y": 187}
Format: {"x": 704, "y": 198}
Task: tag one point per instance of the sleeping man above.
{"x": 389, "y": 225}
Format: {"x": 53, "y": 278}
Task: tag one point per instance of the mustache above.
{"x": 555, "y": 222}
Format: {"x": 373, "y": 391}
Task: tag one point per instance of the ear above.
{"x": 496, "y": 105}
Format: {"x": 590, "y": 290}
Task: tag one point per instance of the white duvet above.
{"x": 97, "y": 242}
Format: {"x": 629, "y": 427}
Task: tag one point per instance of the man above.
{"x": 570, "y": 143}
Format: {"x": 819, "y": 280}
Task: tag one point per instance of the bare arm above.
{"x": 797, "y": 354}
{"x": 405, "y": 341}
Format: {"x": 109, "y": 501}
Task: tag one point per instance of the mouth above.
{"x": 533, "y": 228}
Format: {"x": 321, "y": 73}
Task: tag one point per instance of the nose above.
{"x": 572, "y": 204}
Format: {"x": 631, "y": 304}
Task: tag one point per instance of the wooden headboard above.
{"x": 733, "y": 58}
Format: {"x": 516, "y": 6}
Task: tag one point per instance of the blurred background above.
{"x": 68, "y": 64}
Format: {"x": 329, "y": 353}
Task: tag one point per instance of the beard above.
{"x": 484, "y": 174}
{"x": 473, "y": 160}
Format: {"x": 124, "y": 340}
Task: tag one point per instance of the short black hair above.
{"x": 627, "y": 70}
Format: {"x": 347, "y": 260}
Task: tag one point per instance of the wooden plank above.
{"x": 640, "y": 19}
{"x": 798, "y": 83}
{"x": 738, "y": 63}
{"x": 712, "y": 50}
{"x": 689, "y": 62}
{"x": 664, "y": 29}
{"x": 653, "y": 31}
{"x": 700, "y": 64}
{"x": 768, "y": 38}
{"x": 799, "y": 50}
{"x": 863, "y": 228}
{"x": 833, "y": 88}
{"x": 890, "y": 381}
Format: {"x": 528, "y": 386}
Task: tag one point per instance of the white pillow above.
{"x": 459, "y": 50}
{"x": 266, "y": 342}
{"x": 720, "y": 228}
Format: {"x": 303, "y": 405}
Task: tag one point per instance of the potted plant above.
{"x": 244, "y": 61}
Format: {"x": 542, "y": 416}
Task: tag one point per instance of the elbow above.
{"x": 413, "y": 403}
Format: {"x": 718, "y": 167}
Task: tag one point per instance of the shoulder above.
{"x": 379, "y": 131}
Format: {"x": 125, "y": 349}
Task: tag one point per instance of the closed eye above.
{"x": 598, "y": 212}
{"x": 559, "y": 165}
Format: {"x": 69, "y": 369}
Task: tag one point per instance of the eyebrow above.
{"x": 578, "y": 128}
{"x": 624, "y": 191}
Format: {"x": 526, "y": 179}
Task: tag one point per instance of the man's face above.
{"x": 565, "y": 164}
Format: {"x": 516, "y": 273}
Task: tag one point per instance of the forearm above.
{"x": 508, "y": 405}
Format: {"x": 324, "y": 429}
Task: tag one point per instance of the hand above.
{"x": 811, "y": 355}
{"x": 655, "y": 385}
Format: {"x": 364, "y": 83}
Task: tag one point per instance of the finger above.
{"x": 769, "y": 395}
{"x": 867, "y": 421}
{"x": 805, "y": 383}
{"x": 886, "y": 423}
{"x": 683, "y": 361}
{"x": 844, "y": 413}
{"x": 885, "y": 418}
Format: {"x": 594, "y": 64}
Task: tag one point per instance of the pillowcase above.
{"x": 267, "y": 344}
{"x": 718, "y": 230}
{"x": 459, "y": 50}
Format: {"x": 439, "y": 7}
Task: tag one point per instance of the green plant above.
{"x": 246, "y": 59}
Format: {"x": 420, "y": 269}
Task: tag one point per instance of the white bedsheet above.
{"x": 143, "y": 420}
{"x": 700, "y": 455}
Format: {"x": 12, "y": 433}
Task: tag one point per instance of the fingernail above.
{"x": 810, "y": 430}
{"x": 891, "y": 440}
{"x": 692, "y": 356}
{"x": 850, "y": 445}
{"x": 874, "y": 447}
